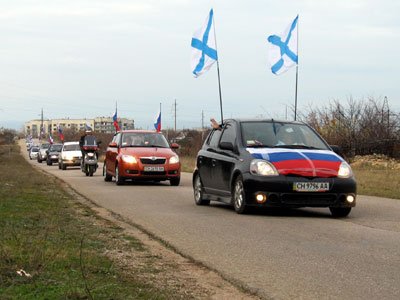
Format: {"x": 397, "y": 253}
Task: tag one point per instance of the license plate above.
{"x": 311, "y": 186}
{"x": 153, "y": 169}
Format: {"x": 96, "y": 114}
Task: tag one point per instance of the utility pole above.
{"x": 41, "y": 125}
{"x": 175, "y": 114}
{"x": 202, "y": 119}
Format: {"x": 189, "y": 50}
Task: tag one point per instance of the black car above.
{"x": 272, "y": 163}
{"x": 52, "y": 153}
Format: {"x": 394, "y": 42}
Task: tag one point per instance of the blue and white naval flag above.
{"x": 283, "y": 49}
{"x": 204, "y": 50}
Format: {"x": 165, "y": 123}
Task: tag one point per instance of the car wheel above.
{"x": 340, "y": 212}
{"x": 49, "y": 162}
{"x": 118, "y": 180}
{"x": 198, "y": 191}
{"x": 64, "y": 167}
{"x": 107, "y": 177}
{"x": 239, "y": 196}
{"x": 175, "y": 181}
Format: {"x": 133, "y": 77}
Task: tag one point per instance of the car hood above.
{"x": 148, "y": 152}
{"x": 75, "y": 153}
{"x": 309, "y": 163}
{"x": 54, "y": 152}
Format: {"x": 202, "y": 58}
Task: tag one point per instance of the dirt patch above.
{"x": 189, "y": 279}
{"x": 375, "y": 161}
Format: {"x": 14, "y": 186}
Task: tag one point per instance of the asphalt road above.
{"x": 279, "y": 254}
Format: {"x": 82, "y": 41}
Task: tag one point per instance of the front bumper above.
{"x": 53, "y": 158}
{"x": 72, "y": 162}
{"x": 279, "y": 192}
{"x": 137, "y": 172}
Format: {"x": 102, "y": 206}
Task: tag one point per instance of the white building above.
{"x": 98, "y": 124}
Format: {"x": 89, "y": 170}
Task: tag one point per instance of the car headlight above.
{"x": 174, "y": 159}
{"x": 344, "y": 170}
{"x": 129, "y": 159}
{"x": 90, "y": 154}
{"x": 263, "y": 168}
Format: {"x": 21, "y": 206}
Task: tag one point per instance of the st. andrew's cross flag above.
{"x": 115, "y": 121}
{"x": 157, "y": 123}
{"x": 204, "y": 50}
{"x": 283, "y": 49}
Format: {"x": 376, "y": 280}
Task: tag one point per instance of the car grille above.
{"x": 153, "y": 161}
{"x": 153, "y": 173}
{"x": 309, "y": 199}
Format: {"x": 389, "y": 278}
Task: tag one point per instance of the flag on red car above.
{"x": 157, "y": 124}
{"x": 115, "y": 120}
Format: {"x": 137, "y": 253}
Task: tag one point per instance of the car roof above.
{"x": 138, "y": 131}
{"x": 71, "y": 143}
{"x": 241, "y": 120}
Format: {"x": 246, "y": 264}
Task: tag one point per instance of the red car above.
{"x": 141, "y": 155}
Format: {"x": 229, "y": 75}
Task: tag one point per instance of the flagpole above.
{"x": 219, "y": 78}
{"x": 297, "y": 73}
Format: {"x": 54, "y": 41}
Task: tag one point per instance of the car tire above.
{"x": 340, "y": 212}
{"x": 64, "y": 167}
{"x": 107, "y": 177}
{"x": 59, "y": 166}
{"x": 239, "y": 196}
{"x": 49, "y": 163}
{"x": 175, "y": 181}
{"x": 118, "y": 179}
{"x": 198, "y": 191}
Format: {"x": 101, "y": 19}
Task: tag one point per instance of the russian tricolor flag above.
{"x": 157, "y": 124}
{"x": 60, "y": 133}
{"x": 115, "y": 120}
{"x": 51, "y": 141}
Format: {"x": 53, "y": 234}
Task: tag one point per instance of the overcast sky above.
{"x": 77, "y": 58}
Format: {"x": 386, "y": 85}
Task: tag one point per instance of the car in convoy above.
{"x": 269, "y": 163}
{"x": 71, "y": 155}
{"x": 33, "y": 152}
{"x": 141, "y": 155}
{"x": 52, "y": 153}
{"x": 42, "y": 154}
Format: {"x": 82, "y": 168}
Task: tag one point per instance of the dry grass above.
{"x": 377, "y": 175}
{"x": 188, "y": 163}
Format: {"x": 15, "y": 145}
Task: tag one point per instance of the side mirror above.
{"x": 174, "y": 146}
{"x": 226, "y": 146}
{"x": 113, "y": 145}
{"x": 337, "y": 149}
{"x": 99, "y": 142}
{"x": 47, "y": 151}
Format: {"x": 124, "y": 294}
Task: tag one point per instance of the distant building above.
{"x": 98, "y": 124}
{"x": 106, "y": 124}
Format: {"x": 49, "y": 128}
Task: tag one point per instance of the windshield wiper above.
{"x": 260, "y": 146}
{"x": 297, "y": 147}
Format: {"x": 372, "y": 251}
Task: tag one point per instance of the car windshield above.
{"x": 55, "y": 148}
{"x": 72, "y": 147}
{"x": 144, "y": 139}
{"x": 34, "y": 149}
{"x": 280, "y": 135}
{"x": 45, "y": 146}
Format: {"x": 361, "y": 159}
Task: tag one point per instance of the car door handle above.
{"x": 213, "y": 162}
